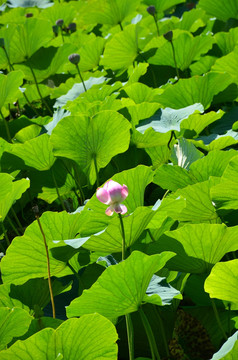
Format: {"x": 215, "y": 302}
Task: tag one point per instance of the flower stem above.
{"x": 6, "y": 127}
{"x": 57, "y": 190}
{"x": 123, "y": 238}
{"x": 38, "y": 89}
{"x": 81, "y": 77}
{"x": 62, "y": 34}
{"x": 160, "y": 322}
{"x": 13, "y": 226}
{"x": 218, "y": 319}
{"x": 130, "y": 336}
{"x": 150, "y": 335}
{"x": 175, "y": 62}
{"x": 5, "y": 234}
{"x": 80, "y": 282}
{"x": 17, "y": 220}
{"x": 48, "y": 264}
{"x": 120, "y": 26}
{"x": 157, "y": 28}
{"x": 8, "y": 60}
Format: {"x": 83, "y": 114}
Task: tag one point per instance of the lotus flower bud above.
{"x": 74, "y": 58}
{"x": 72, "y": 27}
{"x": 169, "y": 35}
{"x": 35, "y": 210}
{"x": 151, "y": 10}
{"x": 28, "y": 15}
{"x": 59, "y": 22}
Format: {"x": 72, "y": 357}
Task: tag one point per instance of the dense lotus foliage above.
{"x": 118, "y": 180}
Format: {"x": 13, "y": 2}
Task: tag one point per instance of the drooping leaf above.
{"x": 42, "y": 4}
{"x": 184, "y": 154}
{"x": 229, "y": 349}
{"x": 92, "y": 337}
{"x": 121, "y": 288}
{"x": 13, "y": 323}
{"x": 91, "y": 141}
{"x": 9, "y": 87}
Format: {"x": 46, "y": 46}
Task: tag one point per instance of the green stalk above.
{"x": 13, "y": 226}
{"x": 5, "y": 234}
{"x": 151, "y": 236}
{"x": 129, "y": 325}
{"x": 150, "y": 335}
{"x": 80, "y": 282}
{"x": 38, "y": 89}
{"x": 120, "y": 26}
{"x": 81, "y": 77}
{"x": 123, "y": 238}
{"x": 96, "y": 169}
{"x": 57, "y": 190}
{"x": 61, "y": 31}
{"x": 218, "y": 319}
{"x": 157, "y": 28}
{"x": 76, "y": 181}
{"x": 175, "y": 62}
{"x": 17, "y": 220}
{"x": 8, "y": 60}
{"x": 6, "y": 127}
{"x": 48, "y": 265}
{"x": 160, "y": 322}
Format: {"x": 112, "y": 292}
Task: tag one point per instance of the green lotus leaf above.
{"x": 92, "y": 337}
{"x": 110, "y": 240}
{"x": 172, "y": 177}
{"x": 122, "y": 49}
{"x": 198, "y": 246}
{"x": 36, "y": 152}
{"x": 198, "y": 89}
{"x": 222, "y": 283}
{"x": 216, "y": 142}
{"x": 227, "y": 41}
{"x": 27, "y": 133}
{"x": 59, "y": 11}
{"x": 26, "y": 38}
{"x": 121, "y": 288}
{"x": 46, "y": 62}
{"x": 228, "y": 64}
{"x": 13, "y": 323}
{"x": 222, "y": 9}
{"x": 198, "y": 122}
{"x": 42, "y": 4}
{"x": 26, "y": 256}
{"x": 30, "y": 296}
{"x": 10, "y": 192}
{"x": 203, "y": 65}
{"x": 199, "y": 207}
{"x": 9, "y": 87}
{"x": 187, "y": 49}
{"x": 109, "y": 12}
{"x": 162, "y": 5}
{"x": 229, "y": 349}
{"x": 91, "y": 141}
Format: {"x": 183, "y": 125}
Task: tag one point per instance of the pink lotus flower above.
{"x": 113, "y": 194}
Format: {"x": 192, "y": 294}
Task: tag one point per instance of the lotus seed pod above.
{"x": 35, "y": 210}
{"x": 151, "y": 10}
{"x": 74, "y": 58}
{"x": 59, "y": 22}
{"x": 55, "y": 29}
{"x": 72, "y": 27}
{"x": 169, "y": 35}
{"x": 2, "y": 43}
{"x": 28, "y": 15}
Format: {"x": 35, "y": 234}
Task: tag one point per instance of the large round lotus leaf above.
{"x": 92, "y": 337}
{"x": 91, "y": 140}
{"x": 121, "y": 288}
